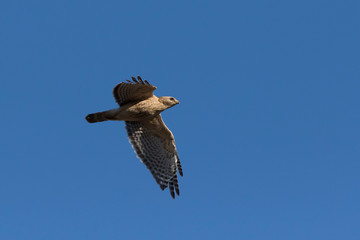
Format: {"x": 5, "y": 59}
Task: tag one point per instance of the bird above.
{"x": 152, "y": 141}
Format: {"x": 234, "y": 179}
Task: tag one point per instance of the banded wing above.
{"x": 154, "y": 144}
{"x": 135, "y": 90}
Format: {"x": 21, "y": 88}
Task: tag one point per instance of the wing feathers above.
{"x": 140, "y": 80}
{"x": 178, "y": 164}
{"x": 171, "y": 187}
{"x": 162, "y": 162}
{"x": 135, "y": 90}
{"x": 134, "y": 79}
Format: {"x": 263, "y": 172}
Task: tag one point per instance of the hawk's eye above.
{"x": 172, "y": 99}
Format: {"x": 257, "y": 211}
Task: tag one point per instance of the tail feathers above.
{"x": 96, "y": 117}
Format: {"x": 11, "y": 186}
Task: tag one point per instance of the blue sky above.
{"x": 267, "y": 129}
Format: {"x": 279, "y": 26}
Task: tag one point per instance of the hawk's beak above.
{"x": 177, "y": 102}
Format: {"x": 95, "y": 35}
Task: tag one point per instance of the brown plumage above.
{"x": 152, "y": 141}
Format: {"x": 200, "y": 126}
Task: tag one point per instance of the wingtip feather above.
{"x": 140, "y": 80}
{"x": 177, "y": 188}
{"x": 134, "y": 79}
{"x": 171, "y": 188}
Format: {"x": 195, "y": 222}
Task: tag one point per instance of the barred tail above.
{"x": 96, "y": 117}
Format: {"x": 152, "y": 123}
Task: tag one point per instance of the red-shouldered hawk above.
{"x": 152, "y": 141}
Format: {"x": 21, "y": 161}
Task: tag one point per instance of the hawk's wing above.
{"x": 133, "y": 91}
{"x": 154, "y": 144}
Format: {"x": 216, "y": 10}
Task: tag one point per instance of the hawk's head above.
{"x": 168, "y": 101}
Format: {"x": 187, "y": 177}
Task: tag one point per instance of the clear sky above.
{"x": 267, "y": 129}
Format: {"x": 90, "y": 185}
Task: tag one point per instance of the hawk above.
{"x": 152, "y": 141}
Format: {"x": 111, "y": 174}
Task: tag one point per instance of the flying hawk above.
{"x": 152, "y": 141}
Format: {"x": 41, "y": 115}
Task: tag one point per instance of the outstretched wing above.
{"x": 135, "y": 90}
{"x": 154, "y": 144}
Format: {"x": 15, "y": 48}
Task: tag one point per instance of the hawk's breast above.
{"x": 143, "y": 110}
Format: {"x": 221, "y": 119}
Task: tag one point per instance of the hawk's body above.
{"x": 152, "y": 141}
